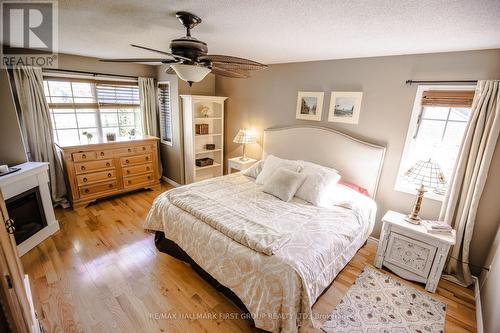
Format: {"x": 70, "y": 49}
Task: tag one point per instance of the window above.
{"x": 436, "y": 130}
{"x": 165, "y": 112}
{"x": 96, "y": 107}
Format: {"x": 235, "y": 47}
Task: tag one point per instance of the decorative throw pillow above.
{"x": 283, "y": 183}
{"x": 318, "y": 185}
{"x": 254, "y": 170}
{"x": 273, "y": 163}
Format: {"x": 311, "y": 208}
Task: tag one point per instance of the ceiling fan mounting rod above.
{"x": 188, "y": 20}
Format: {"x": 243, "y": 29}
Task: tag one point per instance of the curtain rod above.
{"x": 85, "y": 72}
{"x": 410, "y": 82}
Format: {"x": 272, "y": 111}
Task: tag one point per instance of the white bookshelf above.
{"x": 195, "y": 144}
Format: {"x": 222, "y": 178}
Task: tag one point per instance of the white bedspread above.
{"x": 310, "y": 244}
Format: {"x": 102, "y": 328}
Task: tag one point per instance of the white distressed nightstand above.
{"x": 237, "y": 164}
{"x": 411, "y": 252}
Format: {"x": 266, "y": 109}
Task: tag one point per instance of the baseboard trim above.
{"x": 479, "y": 311}
{"x": 170, "y": 181}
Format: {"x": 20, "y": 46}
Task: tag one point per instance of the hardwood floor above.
{"x": 102, "y": 273}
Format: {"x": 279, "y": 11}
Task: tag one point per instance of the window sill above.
{"x": 430, "y": 194}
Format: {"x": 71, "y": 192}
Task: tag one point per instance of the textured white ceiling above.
{"x": 278, "y": 31}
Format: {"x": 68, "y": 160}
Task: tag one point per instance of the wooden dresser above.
{"x": 98, "y": 170}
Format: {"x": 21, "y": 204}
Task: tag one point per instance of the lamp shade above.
{"x": 426, "y": 173}
{"x": 245, "y": 136}
{"x": 190, "y": 73}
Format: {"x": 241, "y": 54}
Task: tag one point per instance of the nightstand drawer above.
{"x": 410, "y": 254}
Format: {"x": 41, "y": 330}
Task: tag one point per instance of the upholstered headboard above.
{"x": 357, "y": 161}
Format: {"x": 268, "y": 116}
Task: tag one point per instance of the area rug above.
{"x": 377, "y": 303}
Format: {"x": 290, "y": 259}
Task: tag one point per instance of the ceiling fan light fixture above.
{"x": 190, "y": 73}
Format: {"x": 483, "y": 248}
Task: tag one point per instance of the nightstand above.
{"x": 411, "y": 252}
{"x": 237, "y": 164}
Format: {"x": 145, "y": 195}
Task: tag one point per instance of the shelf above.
{"x": 207, "y": 135}
{"x": 215, "y": 165}
{"x": 208, "y": 118}
{"x": 204, "y": 151}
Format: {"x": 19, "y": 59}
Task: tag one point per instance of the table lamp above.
{"x": 244, "y": 137}
{"x": 426, "y": 174}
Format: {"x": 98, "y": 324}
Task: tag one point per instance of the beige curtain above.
{"x": 35, "y": 120}
{"x": 149, "y": 106}
{"x": 467, "y": 183}
{"x": 148, "y": 94}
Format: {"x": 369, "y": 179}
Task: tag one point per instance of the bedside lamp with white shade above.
{"x": 245, "y": 136}
{"x": 426, "y": 174}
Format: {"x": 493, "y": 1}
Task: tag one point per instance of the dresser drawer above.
{"x": 410, "y": 254}
{"x": 135, "y": 159}
{"x": 143, "y": 149}
{"x": 137, "y": 180}
{"x": 84, "y": 167}
{"x": 137, "y": 169}
{"x": 95, "y": 177}
{"x": 84, "y": 156}
{"x": 98, "y": 188}
{"x": 102, "y": 154}
{"x": 124, "y": 151}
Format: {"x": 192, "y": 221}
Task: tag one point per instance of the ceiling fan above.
{"x": 189, "y": 58}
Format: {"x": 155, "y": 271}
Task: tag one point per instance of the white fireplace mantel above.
{"x": 31, "y": 175}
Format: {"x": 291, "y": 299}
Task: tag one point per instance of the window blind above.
{"x": 117, "y": 95}
{"x": 165, "y": 112}
{"x": 452, "y": 98}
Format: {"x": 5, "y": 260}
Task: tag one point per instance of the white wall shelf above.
{"x": 195, "y": 144}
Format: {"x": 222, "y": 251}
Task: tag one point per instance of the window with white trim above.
{"x": 165, "y": 112}
{"x": 437, "y": 127}
{"x": 79, "y": 106}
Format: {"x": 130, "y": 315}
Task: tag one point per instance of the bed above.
{"x": 272, "y": 258}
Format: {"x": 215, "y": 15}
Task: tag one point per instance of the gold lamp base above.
{"x": 413, "y": 216}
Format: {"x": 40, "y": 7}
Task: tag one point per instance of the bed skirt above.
{"x": 168, "y": 246}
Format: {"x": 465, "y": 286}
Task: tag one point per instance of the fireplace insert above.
{"x": 26, "y": 210}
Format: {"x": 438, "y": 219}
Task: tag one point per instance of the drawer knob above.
{"x": 84, "y": 156}
{"x": 143, "y": 148}
{"x": 130, "y": 182}
{"x": 83, "y": 167}
{"x": 149, "y": 177}
{"x": 129, "y": 150}
{"x": 87, "y": 190}
{"x": 147, "y": 168}
{"x": 85, "y": 179}
{"x": 109, "y": 175}
{"x": 102, "y": 153}
{"x": 127, "y": 161}
{"x": 108, "y": 164}
{"x": 128, "y": 171}
{"x": 147, "y": 158}
{"x": 110, "y": 185}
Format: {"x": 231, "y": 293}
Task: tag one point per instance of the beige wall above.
{"x": 269, "y": 99}
{"x": 490, "y": 289}
{"x": 172, "y": 155}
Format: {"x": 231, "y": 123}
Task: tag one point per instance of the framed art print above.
{"x": 345, "y": 107}
{"x": 309, "y": 105}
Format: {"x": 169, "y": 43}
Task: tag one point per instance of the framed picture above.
{"x": 345, "y": 107}
{"x": 309, "y": 105}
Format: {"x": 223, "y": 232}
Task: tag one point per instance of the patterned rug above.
{"x": 377, "y": 303}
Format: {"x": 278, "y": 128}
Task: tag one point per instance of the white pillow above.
{"x": 254, "y": 170}
{"x": 283, "y": 183}
{"x": 319, "y": 185}
{"x": 273, "y": 163}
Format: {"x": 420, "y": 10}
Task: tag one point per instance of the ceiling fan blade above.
{"x": 217, "y": 58}
{"x": 162, "y": 60}
{"x": 170, "y": 70}
{"x": 235, "y": 73}
{"x": 233, "y": 65}
{"x": 161, "y": 52}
